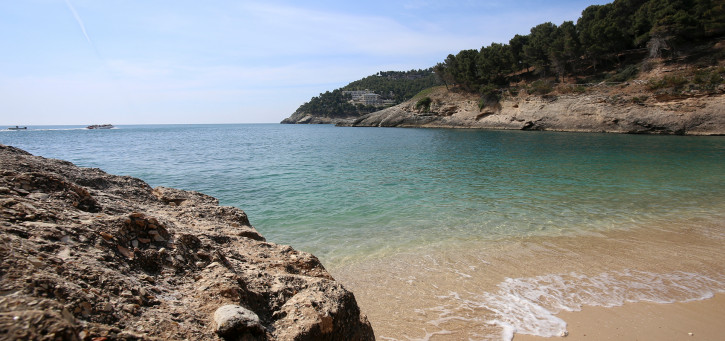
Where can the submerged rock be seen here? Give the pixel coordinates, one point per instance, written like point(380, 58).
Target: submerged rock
point(87, 255)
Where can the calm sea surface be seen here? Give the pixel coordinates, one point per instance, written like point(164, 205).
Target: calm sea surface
point(356, 196)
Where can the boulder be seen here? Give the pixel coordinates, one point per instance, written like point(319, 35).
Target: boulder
point(235, 322)
point(88, 255)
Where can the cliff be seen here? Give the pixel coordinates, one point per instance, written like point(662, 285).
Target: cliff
point(681, 99)
point(598, 110)
point(85, 255)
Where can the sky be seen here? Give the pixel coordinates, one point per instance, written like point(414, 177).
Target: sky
point(80, 62)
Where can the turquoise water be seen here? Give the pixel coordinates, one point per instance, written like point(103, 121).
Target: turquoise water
point(467, 234)
point(345, 193)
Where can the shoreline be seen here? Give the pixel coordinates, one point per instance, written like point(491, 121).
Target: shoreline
point(487, 292)
point(90, 255)
point(602, 110)
point(445, 291)
point(694, 320)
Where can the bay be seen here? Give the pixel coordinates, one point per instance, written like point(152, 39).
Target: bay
point(365, 199)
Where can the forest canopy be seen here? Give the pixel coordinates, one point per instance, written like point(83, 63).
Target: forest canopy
point(598, 39)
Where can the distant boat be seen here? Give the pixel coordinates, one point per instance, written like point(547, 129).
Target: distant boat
point(18, 128)
point(100, 126)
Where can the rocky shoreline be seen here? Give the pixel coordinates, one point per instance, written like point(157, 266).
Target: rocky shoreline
point(86, 255)
point(598, 111)
point(628, 108)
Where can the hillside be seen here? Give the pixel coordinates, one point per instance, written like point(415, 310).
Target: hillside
point(386, 88)
point(624, 43)
point(665, 100)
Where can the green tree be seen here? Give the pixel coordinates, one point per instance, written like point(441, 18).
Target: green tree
point(443, 75)
point(494, 64)
point(603, 30)
point(465, 71)
point(565, 48)
point(517, 44)
point(536, 52)
point(713, 17)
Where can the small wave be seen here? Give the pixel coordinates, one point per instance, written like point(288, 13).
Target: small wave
point(530, 305)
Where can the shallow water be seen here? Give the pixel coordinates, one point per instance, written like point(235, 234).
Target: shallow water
point(462, 216)
point(489, 290)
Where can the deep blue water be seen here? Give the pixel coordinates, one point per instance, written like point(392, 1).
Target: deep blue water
point(346, 193)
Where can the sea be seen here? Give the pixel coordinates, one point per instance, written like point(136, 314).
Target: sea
point(450, 234)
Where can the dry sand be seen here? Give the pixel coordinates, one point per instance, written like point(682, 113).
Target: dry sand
point(691, 321)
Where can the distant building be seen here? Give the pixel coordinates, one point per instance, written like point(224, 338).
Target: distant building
point(370, 99)
point(357, 94)
point(367, 97)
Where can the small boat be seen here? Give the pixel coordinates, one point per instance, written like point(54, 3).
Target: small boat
point(100, 126)
point(18, 128)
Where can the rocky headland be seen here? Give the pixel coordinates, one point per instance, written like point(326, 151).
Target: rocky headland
point(85, 255)
point(604, 108)
point(635, 107)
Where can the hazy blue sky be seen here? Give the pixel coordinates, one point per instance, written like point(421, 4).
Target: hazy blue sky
point(136, 62)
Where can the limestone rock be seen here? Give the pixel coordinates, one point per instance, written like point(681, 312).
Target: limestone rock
point(87, 255)
point(597, 111)
point(236, 322)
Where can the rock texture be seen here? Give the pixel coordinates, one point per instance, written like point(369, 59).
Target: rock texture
point(85, 255)
point(599, 110)
point(307, 118)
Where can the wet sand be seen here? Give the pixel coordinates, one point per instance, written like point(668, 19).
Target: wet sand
point(474, 290)
point(691, 321)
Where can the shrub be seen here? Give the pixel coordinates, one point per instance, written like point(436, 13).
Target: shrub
point(490, 96)
point(709, 78)
point(540, 87)
point(423, 104)
point(572, 89)
point(639, 100)
point(625, 74)
point(666, 82)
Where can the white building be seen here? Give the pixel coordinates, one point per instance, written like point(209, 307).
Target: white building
point(356, 94)
point(370, 99)
point(366, 97)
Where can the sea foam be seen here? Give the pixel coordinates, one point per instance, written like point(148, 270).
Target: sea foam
point(529, 305)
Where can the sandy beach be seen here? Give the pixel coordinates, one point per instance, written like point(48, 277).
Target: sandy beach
point(595, 287)
point(695, 320)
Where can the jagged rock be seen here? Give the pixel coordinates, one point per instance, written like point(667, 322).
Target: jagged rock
point(87, 255)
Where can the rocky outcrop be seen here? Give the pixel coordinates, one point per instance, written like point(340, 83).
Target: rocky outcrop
point(594, 111)
point(597, 111)
point(85, 255)
point(307, 118)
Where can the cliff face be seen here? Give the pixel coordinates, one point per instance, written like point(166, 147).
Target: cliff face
point(85, 255)
point(603, 109)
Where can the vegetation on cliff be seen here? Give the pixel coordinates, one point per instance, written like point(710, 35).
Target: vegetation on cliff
point(390, 85)
point(607, 43)
point(612, 43)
